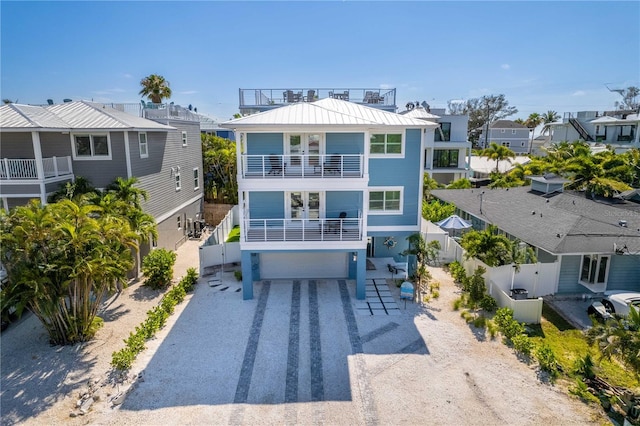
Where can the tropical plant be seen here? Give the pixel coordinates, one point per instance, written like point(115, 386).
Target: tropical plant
point(619, 338)
point(418, 248)
point(462, 183)
point(533, 121)
point(498, 153)
point(428, 184)
point(485, 110)
point(475, 285)
point(157, 268)
point(488, 246)
point(73, 190)
point(155, 87)
point(62, 259)
point(436, 210)
point(219, 161)
point(548, 118)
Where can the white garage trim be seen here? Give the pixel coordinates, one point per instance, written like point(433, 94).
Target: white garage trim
point(303, 265)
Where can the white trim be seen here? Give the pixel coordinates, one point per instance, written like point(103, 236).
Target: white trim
point(127, 154)
point(177, 178)
point(185, 138)
point(196, 187)
point(92, 157)
point(22, 195)
point(145, 144)
point(595, 286)
point(170, 213)
point(384, 189)
point(392, 229)
point(179, 221)
point(386, 133)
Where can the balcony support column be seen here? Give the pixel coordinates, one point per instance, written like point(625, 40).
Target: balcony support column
point(37, 154)
point(358, 267)
point(247, 275)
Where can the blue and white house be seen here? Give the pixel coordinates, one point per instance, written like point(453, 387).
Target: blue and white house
point(324, 184)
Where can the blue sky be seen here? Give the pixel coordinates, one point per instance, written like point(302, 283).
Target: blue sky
point(541, 55)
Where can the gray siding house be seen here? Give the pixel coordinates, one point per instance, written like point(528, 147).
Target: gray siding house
point(44, 147)
point(595, 243)
point(507, 133)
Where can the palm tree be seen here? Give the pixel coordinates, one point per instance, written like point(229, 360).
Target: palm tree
point(548, 118)
point(533, 121)
point(155, 87)
point(125, 190)
point(498, 153)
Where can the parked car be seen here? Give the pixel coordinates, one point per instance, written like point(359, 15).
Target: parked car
point(615, 302)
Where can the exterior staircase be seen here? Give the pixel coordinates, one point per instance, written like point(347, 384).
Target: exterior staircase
point(581, 131)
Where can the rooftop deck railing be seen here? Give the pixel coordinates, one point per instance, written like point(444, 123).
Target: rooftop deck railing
point(302, 166)
point(26, 169)
point(297, 230)
point(152, 111)
point(266, 98)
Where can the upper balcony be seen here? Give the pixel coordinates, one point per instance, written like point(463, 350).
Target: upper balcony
point(258, 100)
point(318, 230)
point(315, 166)
point(20, 169)
point(153, 111)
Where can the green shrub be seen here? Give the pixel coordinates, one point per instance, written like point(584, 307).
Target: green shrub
point(523, 344)
point(457, 272)
point(492, 328)
point(158, 268)
point(123, 359)
point(435, 294)
point(189, 281)
point(584, 366)
point(480, 322)
point(502, 317)
point(475, 285)
point(547, 360)
point(467, 316)
point(238, 275)
point(488, 303)
point(457, 304)
point(581, 390)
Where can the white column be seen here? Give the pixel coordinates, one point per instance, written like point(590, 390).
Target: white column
point(127, 153)
point(5, 204)
point(37, 154)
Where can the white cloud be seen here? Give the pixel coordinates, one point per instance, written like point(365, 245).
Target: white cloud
point(188, 92)
point(386, 86)
point(505, 66)
point(579, 93)
point(127, 75)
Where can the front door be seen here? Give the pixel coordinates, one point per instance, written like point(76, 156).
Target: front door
point(304, 150)
point(303, 206)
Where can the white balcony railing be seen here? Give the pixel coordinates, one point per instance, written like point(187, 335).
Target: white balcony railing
point(26, 169)
point(295, 230)
point(302, 166)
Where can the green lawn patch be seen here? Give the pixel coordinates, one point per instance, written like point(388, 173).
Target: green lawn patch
point(569, 344)
point(234, 235)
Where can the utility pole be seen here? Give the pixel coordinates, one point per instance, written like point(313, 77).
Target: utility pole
point(486, 135)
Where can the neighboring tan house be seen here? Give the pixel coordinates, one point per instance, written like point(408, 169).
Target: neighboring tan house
point(44, 147)
point(618, 129)
point(583, 245)
point(507, 133)
point(322, 185)
point(447, 150)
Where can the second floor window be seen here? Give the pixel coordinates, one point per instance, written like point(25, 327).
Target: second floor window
point(507, 144)
point(142, 144)
point(387, 201)
point(196, 179)
point(178, 182)
point(92, 146)
point(443, 133)
point(184, 138)
point(386, 143)
point(445, 158)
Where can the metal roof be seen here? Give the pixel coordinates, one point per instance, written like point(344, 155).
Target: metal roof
point(420, 113)
point(78, 115)
point(326, 112)
point(564, 223)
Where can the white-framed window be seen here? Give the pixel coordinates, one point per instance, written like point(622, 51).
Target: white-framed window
point(179, 221)
point(91, 146)
point(503, 130)
point(386, 145)
point(142, 144)
point(385, 200)
point(521, 143)
point(184, 138)
point(507, 144)
point(177, 178)
point(594, 269)
point(513, 131)
point(196, 178)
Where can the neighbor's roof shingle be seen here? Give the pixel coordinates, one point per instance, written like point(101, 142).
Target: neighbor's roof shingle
point(326, 112)
point(506, 124)
point(584, 225)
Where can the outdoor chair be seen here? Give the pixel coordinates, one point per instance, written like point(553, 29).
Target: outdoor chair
point(277, 166)
point(335, 225)
point(332, 165)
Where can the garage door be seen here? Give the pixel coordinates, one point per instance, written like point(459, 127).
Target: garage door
point(303, 265)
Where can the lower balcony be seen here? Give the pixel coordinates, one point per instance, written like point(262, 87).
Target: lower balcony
point(297, 230)
point(27, 169)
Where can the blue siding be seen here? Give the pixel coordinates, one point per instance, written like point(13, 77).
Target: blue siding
point(624, 273)
point(265, 143)
point(380, 250)
point(399, 172)
point(345, 143)
point(266, 205)
point(569, 272)
point(343, 201)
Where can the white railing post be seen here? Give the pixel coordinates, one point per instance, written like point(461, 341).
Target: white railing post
point(55, 165)
point(69, 165)
point(6, 169)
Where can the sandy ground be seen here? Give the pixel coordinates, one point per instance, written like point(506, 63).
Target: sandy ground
point(221, 360)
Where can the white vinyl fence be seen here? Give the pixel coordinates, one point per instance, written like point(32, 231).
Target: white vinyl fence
point(215, 251)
